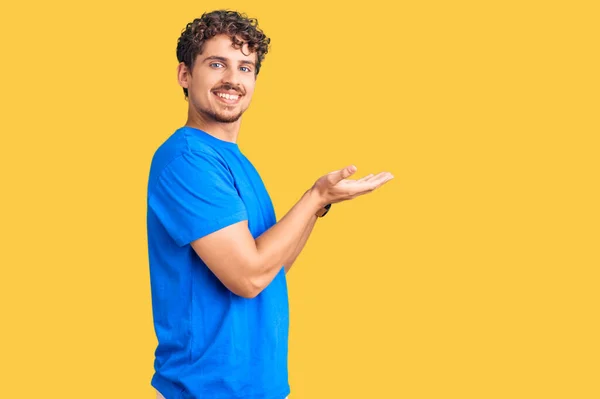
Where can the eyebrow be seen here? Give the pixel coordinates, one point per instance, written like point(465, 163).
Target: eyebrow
point(223, 59)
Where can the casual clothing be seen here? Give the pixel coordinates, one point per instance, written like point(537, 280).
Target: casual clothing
point(212, 343)
point(159, 396)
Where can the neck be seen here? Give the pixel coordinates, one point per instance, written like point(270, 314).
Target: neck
point(224, 131)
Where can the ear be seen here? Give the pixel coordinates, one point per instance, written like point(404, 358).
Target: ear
point(182, 75)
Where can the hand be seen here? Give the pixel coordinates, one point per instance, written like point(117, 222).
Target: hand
point(336, 187)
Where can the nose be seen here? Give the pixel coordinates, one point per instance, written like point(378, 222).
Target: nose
point(232, 77)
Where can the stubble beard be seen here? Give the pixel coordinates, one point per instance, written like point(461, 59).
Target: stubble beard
point(221, 118)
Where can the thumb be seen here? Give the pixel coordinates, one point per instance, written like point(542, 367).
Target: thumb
point(343, 174)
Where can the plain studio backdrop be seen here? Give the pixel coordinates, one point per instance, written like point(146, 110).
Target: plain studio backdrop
point(473, 274)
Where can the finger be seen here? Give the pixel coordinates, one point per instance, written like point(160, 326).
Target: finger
point(369, 178)
point(361, 180)
point(385, 180)
point(378, 181)
point(339, 175)
point(368, 186)
point(366, 178)
point(380, 178)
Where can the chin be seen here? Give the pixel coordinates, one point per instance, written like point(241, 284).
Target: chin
point(227, 118)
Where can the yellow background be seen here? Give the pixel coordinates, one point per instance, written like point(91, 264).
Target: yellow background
point(472, 274)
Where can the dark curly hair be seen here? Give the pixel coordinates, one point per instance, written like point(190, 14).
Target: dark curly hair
point(231, 23)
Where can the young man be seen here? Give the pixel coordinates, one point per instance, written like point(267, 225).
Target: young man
point(218, 257)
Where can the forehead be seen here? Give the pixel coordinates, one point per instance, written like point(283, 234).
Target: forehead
point(222, 46)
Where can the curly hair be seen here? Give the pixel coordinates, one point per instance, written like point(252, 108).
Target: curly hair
point(231, 23)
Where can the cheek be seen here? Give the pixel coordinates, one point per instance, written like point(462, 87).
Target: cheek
point(203, 84)
point(249, 90)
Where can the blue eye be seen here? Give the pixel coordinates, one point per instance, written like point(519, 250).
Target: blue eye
point(245, 69)
point(216, 63)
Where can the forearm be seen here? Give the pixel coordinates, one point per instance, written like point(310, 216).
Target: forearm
point(279, 243)
point(300, 246)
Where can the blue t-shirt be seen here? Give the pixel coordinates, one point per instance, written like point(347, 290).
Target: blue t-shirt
point(212, 343)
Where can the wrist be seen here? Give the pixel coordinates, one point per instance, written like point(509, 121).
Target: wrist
point(316, 200)
point(323, 211)
point(322, 206)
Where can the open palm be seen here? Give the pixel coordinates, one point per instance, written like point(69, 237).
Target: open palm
point(336, 187)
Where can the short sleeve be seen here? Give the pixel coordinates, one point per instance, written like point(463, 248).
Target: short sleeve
point(195, 196)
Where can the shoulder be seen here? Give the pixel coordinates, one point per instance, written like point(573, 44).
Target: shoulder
point(180, 143)
point(181, 155)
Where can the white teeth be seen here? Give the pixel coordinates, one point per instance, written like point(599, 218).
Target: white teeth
point(228, 96)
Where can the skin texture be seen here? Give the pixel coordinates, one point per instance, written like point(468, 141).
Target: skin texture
point(243, 264)
point(219, 69)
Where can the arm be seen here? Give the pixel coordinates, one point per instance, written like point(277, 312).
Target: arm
point(301, 244)
point(306, 234)
point(245, 265)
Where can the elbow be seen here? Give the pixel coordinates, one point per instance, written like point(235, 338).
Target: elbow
point(253, 283)
point(247, 291)
point(250, 294)
point(250, 285)
point(244, 289)
point(251, 288)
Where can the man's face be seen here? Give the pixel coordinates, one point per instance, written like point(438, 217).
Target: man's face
point(222, 80)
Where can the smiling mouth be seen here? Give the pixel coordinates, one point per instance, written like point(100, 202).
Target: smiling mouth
point(228, 98)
